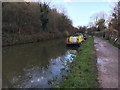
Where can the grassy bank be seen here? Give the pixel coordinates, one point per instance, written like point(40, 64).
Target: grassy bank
point(83, 71)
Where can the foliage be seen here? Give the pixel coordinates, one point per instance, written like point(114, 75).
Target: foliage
point(44, 8)
point(82, 29)
point(101, 24)
point(115, 21)
point(111, 33)
point(34, 19)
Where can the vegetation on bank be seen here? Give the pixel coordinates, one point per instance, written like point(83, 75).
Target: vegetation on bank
point(24, 22)
point(115, 43)
point(83, 70)
point(111, 37)
point(108, 28)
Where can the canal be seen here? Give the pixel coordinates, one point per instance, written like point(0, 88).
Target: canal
point(35, 65)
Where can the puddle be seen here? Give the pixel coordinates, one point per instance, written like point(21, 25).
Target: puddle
point(106, 59)
point(99, 60)
point(97, 49)
point(102, 60)
point(102, 45)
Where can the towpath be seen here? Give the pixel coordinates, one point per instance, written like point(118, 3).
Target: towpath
point(107, 63)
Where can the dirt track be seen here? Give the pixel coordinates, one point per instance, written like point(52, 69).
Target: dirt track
point(107, 63)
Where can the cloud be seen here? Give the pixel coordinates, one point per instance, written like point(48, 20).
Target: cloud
point(91, 0)
point(67, 0)
point(75, 24)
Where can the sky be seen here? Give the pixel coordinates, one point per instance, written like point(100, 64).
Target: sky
point(80, 11)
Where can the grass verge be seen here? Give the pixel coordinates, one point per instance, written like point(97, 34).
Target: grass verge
point(83, 70)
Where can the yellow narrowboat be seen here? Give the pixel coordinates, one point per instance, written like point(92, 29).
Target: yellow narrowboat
point(76, 39)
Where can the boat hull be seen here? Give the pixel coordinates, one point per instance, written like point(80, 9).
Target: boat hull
point(73, 44)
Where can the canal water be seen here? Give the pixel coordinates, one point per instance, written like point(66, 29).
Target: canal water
point(35, 65)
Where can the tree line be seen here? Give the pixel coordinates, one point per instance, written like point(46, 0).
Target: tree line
point(35, 21)
point(108, 28)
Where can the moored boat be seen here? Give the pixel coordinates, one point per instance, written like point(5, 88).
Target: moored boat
point(76, 39)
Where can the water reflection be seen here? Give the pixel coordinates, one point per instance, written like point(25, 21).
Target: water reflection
point(32, 65)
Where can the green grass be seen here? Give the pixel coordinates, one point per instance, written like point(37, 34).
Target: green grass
point(83, 71)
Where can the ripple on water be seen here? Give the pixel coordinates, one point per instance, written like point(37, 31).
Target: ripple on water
point(38, 77)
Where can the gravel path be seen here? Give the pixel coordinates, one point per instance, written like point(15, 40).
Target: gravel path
point(107, 63)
